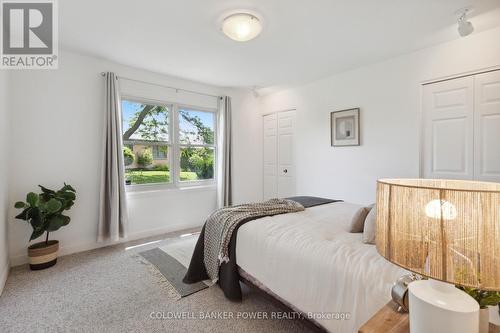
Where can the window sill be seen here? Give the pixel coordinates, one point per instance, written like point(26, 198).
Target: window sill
point(133, 190)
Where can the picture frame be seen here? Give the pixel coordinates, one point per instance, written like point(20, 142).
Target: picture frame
point(345, 128)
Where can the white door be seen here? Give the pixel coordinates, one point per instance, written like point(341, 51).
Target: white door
point(448, 111)
point(279, 166)
point(286, 170)
point(487, 127)
point(270, 124)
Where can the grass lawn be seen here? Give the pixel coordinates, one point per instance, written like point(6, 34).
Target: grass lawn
point(153, 177)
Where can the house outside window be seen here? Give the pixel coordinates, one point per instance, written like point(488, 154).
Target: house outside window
point(168, 144)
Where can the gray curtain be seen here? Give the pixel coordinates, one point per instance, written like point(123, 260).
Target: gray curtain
point(113, 217)
point(224, 154)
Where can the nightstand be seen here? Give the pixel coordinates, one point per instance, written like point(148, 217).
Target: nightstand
point(389, 320)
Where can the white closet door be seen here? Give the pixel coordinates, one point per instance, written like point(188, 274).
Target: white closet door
point(487, 127)
point(270, 156)
point(286, 167)
point(448, 129)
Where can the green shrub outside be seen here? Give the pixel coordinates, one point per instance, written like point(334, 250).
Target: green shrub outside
point(128, 156)
point(145, 158)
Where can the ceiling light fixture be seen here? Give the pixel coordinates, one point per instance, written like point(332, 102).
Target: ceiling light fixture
point(241, 27)
point(465, 27)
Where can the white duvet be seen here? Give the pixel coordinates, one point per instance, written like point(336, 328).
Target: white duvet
point(310, 260)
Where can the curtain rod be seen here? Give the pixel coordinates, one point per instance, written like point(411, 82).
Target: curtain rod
point(164, 86)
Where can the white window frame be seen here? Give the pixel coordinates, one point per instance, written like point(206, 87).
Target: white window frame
point(174, 146)
point(178, 146)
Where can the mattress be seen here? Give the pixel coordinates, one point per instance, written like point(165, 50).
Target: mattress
point(310, 260)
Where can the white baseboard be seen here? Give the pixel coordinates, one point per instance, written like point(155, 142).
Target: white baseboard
point(4, 274)
point(22, 259)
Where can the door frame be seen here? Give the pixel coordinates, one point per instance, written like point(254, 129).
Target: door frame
point(421, 107)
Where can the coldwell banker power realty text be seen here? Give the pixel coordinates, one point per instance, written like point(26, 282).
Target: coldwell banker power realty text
point(29, 34)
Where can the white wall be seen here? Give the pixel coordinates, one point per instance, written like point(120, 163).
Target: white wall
point(4, 148)
point(388, 94)
point(247, 152)
point(56, 136)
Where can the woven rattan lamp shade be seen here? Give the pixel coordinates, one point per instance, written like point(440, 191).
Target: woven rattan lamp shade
point(447, 230)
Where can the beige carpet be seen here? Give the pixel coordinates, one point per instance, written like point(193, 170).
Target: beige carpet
point(108, 290)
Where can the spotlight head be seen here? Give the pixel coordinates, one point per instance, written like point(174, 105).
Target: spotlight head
point(465, 27)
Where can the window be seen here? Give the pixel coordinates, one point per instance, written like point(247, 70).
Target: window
point(196, 144)
point(167, 144)
point(160, 152)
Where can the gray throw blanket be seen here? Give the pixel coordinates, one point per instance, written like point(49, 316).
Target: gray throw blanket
point(220, 226)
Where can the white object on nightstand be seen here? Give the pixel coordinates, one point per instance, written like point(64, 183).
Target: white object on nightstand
point(437, 307)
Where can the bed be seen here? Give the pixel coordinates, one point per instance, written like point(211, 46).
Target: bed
point(311, 261)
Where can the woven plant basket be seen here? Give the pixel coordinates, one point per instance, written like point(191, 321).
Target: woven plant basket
point(42, 255)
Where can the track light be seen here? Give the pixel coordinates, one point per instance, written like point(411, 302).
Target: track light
point(465, 28)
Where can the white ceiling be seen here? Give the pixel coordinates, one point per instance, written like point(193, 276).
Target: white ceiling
point(302, 40)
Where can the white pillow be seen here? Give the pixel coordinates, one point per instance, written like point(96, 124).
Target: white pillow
point(370, 226)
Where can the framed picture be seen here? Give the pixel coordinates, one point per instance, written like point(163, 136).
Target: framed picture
point(345, 128)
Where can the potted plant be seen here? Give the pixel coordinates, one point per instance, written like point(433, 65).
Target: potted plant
point(44, 212)
point(484, 298)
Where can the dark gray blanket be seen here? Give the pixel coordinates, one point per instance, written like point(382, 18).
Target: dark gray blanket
point(229, 278)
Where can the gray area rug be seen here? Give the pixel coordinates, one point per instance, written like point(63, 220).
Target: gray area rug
point(106, 290)
point(171, 271)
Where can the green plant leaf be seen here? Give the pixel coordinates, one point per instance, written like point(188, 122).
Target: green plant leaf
point(47, 194)
point(66, 219)
point(67, 195)
point(35, 218)
point(24, 214)
point(36, 233)
point(67, 187)
point(38, 224)
point(20, 205)
point(46, 190)
point(33, 199)
point(490, 299)
point(42, 205)
point(55, 223)
point(53, 205)
point(68, 205)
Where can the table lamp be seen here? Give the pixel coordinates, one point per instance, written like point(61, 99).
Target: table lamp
point(449, 232)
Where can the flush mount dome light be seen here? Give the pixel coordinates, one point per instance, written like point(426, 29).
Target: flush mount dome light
point(241, 27)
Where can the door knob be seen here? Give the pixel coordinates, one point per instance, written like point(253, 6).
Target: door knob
point(285, 170)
